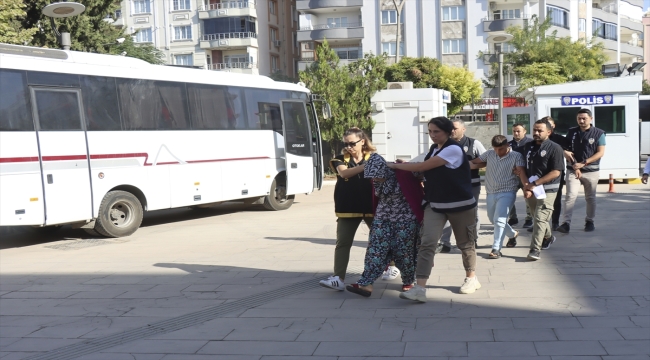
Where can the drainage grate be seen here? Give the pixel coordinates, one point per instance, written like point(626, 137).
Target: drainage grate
point(82, 244)
point(178, 323)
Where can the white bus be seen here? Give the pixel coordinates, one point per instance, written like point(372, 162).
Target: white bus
point(95, 140)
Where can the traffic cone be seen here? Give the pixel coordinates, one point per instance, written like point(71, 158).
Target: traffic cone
point(611, 183)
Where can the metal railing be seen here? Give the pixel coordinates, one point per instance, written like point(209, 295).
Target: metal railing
point(232, 65)
point(305, 58)
point(228, 5)
point(491, 18)
point(232, 35)
point(611, 8)
point(332, 26)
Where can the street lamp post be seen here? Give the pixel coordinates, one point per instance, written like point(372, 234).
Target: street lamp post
point(497, 40)
point(62, 9)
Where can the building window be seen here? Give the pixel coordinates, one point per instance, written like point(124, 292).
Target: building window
point(274, 64)
point(185, 59)
point(118, 13)
point(604, 30)
point(389, 48)
point(390, 17)
point(582, 25)
point(273, 7)
point(295, 40)
point(181, 5)
point(453, 46)
point(510, 79)
point(559, 17)
point(141, 7)
point(507, 14)
point(349, 52)
point(341, 22)
point(274, 34)
point(183, 32)
point(143, 36)
point(450, 13)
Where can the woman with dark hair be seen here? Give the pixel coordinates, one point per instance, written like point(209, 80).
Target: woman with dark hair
point(448, 196)
point(352, 200)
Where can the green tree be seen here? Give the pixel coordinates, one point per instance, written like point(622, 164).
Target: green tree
point(646, 88)
point(430, 73)
point(146, 52)
point(347, 89)
point(11, 31)
point(90, 31)
point(540, 58)
point(280, 76)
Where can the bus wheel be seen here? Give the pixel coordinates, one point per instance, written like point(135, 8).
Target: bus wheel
point(277, 198)
point(120, 214)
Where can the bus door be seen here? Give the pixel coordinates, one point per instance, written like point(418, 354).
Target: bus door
point(317, 146)
point(299, 163)
point(63, 153)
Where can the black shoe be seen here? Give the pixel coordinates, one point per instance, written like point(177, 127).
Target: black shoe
point(534, 255)
point(555, 226)
point(589, 226)
point(528, 224)
point(441, 248)
point(565, 228)
point(530, 229)
point(513, 221)
point(546, 243)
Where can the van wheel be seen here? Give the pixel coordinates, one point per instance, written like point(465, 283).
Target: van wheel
point(277, 198)
point(120, 214)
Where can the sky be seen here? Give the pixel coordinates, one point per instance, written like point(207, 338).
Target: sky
point(646, 5)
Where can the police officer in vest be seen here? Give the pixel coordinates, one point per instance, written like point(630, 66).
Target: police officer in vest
point(473, 149)
point(557, 206)
point(448, 192)
point(585, 145)
point(544, 164)
point(519, 140)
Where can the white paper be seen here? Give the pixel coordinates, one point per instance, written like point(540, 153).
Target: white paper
point(538, 191)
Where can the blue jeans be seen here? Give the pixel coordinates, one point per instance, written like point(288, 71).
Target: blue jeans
point(498, 208)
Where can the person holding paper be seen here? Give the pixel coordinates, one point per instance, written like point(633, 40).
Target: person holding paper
point(544, 164)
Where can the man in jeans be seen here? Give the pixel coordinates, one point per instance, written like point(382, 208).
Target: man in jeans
point(544, 163)
point(585, 146)
point(501, 185)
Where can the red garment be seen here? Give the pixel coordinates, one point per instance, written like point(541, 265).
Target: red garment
point(412, 189)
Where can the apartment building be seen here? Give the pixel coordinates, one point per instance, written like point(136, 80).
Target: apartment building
point(455, 31)
point(246, 36)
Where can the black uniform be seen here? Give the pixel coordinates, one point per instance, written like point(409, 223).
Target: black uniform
point(584, 144)
point(542, 159)
point(467, 143)
point(557, 205)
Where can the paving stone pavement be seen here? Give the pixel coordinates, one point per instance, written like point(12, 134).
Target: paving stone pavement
point(588, 298)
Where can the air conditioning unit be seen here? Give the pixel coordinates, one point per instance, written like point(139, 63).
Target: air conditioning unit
point(493, 5)
point(277, 43)
point(400, 85)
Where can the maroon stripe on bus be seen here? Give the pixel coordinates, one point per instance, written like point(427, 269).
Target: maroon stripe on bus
point(18, 159)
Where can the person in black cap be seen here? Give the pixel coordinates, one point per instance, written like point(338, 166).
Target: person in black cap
point(544, 163)
point(585, 146)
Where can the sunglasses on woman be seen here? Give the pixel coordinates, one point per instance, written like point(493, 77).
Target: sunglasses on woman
point(351, 144)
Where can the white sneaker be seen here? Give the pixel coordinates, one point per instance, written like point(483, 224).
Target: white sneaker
point(333, 282)
point(417, 293)
point(470, 285)
point(391, 273)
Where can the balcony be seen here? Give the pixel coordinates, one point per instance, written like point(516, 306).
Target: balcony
point(302, 5)
point(632, 50)
point(228, 41)
point(331, 31)
point(239, 8)
point(237, 67)
point(606, 13)
point(500, 25)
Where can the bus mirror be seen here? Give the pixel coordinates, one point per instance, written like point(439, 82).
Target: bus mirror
point(327, 111)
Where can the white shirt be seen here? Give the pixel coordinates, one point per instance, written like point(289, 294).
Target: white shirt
point(452, 155)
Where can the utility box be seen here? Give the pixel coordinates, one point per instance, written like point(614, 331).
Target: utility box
point(401, 117)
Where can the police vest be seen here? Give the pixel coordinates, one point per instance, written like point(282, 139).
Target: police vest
point(352, 196)
point(538, 161)
point(467, 144)
point(584, 145)
point(448, 190)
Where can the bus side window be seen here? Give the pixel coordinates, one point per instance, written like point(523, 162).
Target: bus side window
point(15, 114)
point(153, 105)
point(100, 103)
point(209, 107)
